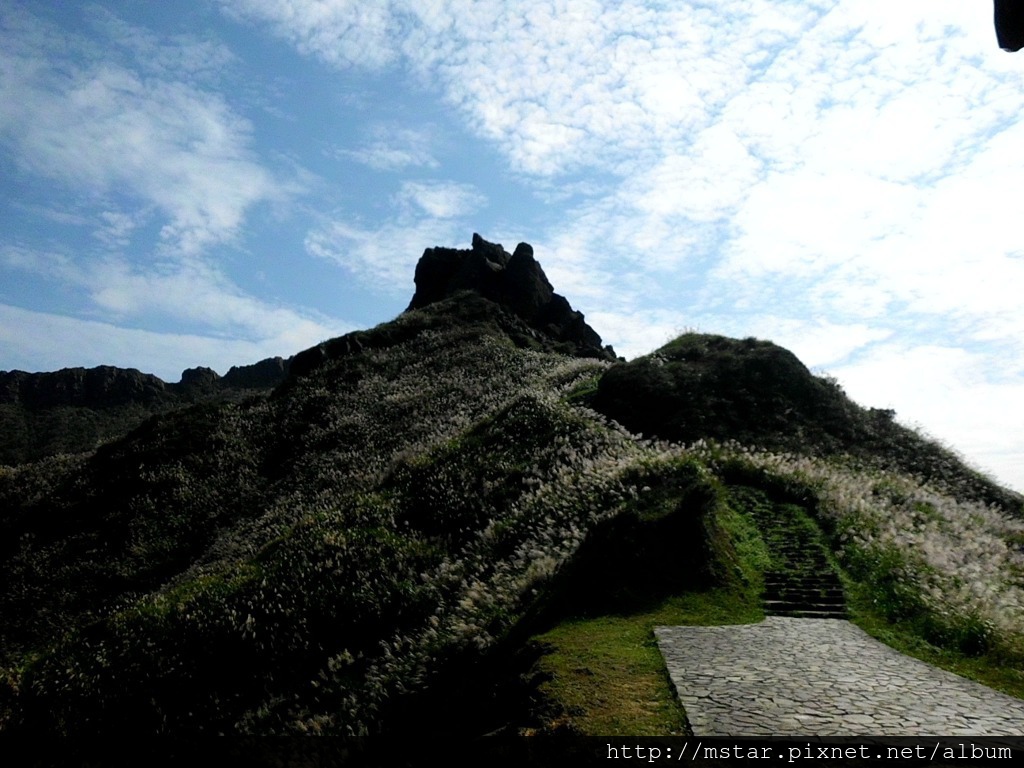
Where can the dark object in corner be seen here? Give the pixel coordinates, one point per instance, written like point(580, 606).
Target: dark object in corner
point(1009, 18)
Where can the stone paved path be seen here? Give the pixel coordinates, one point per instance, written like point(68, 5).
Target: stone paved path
point(822, 677)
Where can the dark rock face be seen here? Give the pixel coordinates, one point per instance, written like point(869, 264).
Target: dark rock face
point(106, 386)
point(515, 281)
point(525, 288)
point(262, 375)
point(202, 379)
point(102, 386)
point(442, 272)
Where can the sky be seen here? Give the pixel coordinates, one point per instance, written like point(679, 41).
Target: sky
point(216, 182)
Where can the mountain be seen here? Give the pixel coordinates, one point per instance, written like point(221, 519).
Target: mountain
point(76, 409)
point(514, 281)
point(703, 386)
point(369, 547)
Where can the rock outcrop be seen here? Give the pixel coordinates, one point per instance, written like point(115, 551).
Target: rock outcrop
point(706, 386)
point(107, 386)
point(514, 280)
point(310, 359)
point(75, 409)
point(201, 379)
point(262, 375)
point(103, 386)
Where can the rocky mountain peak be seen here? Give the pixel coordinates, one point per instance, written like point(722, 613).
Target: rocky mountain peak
point(514, 280)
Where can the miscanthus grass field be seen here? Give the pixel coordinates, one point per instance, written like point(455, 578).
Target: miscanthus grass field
point(311, 561)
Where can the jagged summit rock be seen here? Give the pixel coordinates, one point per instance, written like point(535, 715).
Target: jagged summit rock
point(514, 280)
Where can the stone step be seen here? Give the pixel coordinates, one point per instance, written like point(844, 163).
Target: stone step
point(807, 564)
point(794, 604)
point(817, 595)
point(806, 587)
point(812, 578)
point(809, 614)
point(802, 584)
point(806, 595)
point(797, 581)
point(808, 600)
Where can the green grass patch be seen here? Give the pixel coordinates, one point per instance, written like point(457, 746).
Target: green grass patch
point(583, 393)
point(604, 673)
point(607, 676)
point(907, 637)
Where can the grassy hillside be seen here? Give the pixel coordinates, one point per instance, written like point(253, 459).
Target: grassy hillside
point(75, 410)
point(702, 386)
point(403, 523)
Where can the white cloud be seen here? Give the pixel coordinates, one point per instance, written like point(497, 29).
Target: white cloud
point(704, 182)
point(341, 32)
point(27, 343)
point(807, 222)
point(47, 263)
point(619, 85)
point(394, 149)
point(864, 246)
point(442, 199)
point(101, 129)
point(116, 227)
point(169, 56)
point(384, 256)
point(578, 257)
point(197, 293)
point(190, 292)
point(961, 397)
point(555, 85)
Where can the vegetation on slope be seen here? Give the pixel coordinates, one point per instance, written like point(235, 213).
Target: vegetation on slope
point(600, 666)
point(707, 387)
point(933, 562)
point(293, 564)
point(415, 506)
point(76, 409)
point(601, 669)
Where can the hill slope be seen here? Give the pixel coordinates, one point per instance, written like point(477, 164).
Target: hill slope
point(702, 386)
point(77, 409)
point(407, 505)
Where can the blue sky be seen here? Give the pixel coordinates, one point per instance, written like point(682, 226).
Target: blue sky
point(212, 183)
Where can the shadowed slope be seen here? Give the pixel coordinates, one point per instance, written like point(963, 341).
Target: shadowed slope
point(702, 386)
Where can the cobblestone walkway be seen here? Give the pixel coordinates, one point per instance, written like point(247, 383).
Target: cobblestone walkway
point(822, 677)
